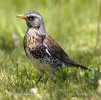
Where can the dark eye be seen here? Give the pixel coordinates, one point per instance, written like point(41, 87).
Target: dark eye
point(31, 18)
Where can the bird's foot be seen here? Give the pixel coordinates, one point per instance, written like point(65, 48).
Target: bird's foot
point(40, 76)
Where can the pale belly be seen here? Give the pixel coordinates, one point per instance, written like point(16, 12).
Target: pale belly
point(38, 63)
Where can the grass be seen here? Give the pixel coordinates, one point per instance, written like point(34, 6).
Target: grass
point(73, 24)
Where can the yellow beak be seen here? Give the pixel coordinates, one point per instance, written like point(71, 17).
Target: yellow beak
point(21, 16)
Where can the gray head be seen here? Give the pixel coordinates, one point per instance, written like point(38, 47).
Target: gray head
point(34, 20)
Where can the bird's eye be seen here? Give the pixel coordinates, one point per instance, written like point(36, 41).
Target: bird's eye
point(31, 18)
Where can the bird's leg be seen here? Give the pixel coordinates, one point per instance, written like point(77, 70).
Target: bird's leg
point(41, 73)
point(51, 73)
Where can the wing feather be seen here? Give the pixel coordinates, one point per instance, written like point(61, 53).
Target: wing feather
point(58, 52)
point(55, 49)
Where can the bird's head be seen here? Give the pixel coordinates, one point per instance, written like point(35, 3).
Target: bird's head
point(33, 20)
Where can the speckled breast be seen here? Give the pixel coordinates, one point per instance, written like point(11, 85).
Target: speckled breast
point(35, 50)
point(33, 44)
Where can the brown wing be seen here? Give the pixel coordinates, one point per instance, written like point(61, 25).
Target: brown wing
point(58, 52)
point(55, 49)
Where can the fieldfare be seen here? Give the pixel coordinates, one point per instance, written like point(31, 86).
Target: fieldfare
point(44, 52)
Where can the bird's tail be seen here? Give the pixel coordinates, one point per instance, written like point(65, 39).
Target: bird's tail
point(78, 65)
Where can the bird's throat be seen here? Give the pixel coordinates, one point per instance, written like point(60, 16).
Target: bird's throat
point(32, 31)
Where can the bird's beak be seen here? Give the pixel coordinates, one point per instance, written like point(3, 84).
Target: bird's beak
point(21, 16)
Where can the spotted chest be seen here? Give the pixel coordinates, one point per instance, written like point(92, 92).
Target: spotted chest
point(38, 52)
point(34, 45)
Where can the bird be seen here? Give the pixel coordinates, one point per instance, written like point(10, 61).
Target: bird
point(42, 49)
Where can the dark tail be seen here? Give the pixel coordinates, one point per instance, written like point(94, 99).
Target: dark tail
point(78, 65)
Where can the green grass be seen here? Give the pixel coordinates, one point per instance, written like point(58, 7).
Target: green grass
point(73, 24)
